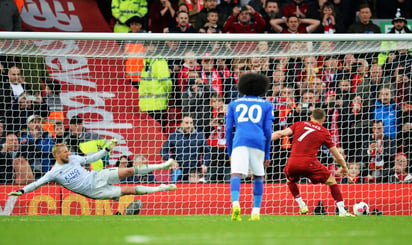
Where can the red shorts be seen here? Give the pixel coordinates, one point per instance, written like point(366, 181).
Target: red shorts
point(308, 167)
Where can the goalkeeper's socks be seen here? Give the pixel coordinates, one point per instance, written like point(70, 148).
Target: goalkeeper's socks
point(257, 192)
point(147, 168)
point(141, 190)
point(300, 201)
point(235, 187)
point(341, 207)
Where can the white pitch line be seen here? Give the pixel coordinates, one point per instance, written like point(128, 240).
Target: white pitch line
point(137, 239)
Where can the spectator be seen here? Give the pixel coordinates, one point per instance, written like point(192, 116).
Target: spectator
point(2, 133)
point(210, 76)
point(241, 21)
point(9, 16)
point(354, 174)
point(309, 71)
point(33, 68)
point(304, 108)
point(368, 89)
point(364, 25)
point(53, 101)
point(388, 111)
point(402, 86)
point(189, 64)
point(60, 133)
point(8, 147)
point(399, 24)
point(195, 177)
point(82, 142)
point(297, 8)
point(329, 73)
point(209, 6)
point(183, 25)
point(13, 159)
point(155, 86)
point(193, 9)
point(331, 23)
point(294, 25)
point(360, 73)
point(14, 86)
point(271, 11)
point(188, 147)
point(123, 10)
point(26, 106)
point(357, 118)
point(212, 24)
point(378, 151)
point(400, 173)
point(334, 118)
point(161, 15)
point(38, 144)
point(135, 24)
point(219, 168)
point(196, 101)
point(343, 93)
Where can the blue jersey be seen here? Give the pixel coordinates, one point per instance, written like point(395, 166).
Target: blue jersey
point(252, 118)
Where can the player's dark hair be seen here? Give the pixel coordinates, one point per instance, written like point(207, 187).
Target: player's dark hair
point(318, 114)
point(253, 84)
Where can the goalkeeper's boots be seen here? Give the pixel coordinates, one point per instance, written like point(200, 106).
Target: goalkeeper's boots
point(236, 213)
point(346, 214)
point(255, 217)
point(304, 210)
point(171, 187)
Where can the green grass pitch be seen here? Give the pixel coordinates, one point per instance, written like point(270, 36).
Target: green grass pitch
point(91, 230)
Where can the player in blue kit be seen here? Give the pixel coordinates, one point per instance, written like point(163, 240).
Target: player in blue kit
point(248, 135)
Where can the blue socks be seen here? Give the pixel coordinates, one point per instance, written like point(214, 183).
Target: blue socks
point(235, 188)
point(257, 191)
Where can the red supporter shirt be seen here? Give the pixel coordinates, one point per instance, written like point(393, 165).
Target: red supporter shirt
point(308, 137)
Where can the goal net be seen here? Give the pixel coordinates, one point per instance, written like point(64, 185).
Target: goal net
point(145, 90)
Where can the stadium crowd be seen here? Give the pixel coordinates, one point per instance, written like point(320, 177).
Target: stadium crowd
point(367, 96)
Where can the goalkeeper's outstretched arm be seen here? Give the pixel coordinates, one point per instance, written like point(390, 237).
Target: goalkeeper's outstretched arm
point(32, 186)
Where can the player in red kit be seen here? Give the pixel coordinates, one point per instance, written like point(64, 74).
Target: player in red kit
point(308, 137)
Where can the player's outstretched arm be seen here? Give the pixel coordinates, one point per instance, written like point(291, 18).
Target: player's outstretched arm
point(278, 134)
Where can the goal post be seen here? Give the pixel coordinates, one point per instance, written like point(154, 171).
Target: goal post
point(363, 82)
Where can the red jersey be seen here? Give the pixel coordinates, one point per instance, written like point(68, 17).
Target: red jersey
point(308, 137)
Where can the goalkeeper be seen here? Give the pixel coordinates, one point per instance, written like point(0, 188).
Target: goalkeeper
point(69, 172)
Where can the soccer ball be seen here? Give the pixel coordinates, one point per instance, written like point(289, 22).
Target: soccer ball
point(361, 208)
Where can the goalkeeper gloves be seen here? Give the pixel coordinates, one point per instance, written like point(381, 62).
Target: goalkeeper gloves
point(16, 193)
point(112, 144)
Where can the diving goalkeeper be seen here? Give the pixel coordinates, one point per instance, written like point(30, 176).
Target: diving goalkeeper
point(69, 172)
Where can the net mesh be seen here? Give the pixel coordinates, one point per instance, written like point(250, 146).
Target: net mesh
point(113, 86)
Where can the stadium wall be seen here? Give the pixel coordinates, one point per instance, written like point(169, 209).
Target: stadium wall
point(206, 199)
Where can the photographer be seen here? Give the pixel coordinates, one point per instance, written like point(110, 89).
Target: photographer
point(195, 101)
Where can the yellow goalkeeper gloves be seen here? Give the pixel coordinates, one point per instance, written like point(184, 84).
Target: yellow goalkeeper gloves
point(112, 144)
point(16, 193)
